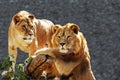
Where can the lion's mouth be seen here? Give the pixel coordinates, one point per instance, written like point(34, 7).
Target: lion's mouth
point(63, 49)
point(27, 38)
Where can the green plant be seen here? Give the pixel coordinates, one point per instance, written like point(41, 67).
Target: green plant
point(43, 78)
point(6, 63)
point(19, 74)
point(29, 59)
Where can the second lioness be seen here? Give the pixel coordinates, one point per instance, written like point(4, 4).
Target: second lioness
point(28, 33)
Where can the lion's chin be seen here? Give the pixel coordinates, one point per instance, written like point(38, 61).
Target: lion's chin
point(28, 41)
point(63, 50)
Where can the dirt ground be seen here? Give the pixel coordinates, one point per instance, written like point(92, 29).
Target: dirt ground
point(99, 20)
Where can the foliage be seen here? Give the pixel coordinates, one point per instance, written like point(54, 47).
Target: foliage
point(20, 73)
point(6, 63)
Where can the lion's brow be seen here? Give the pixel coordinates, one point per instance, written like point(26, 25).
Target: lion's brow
point(63, 33)
point(28, 22)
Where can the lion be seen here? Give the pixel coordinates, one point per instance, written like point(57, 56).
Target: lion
point(70, 53)
point(28, 34)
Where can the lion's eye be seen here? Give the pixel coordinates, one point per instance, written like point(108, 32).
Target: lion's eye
point(58, 36)
point(31, 27)
point(23, 26)
point(68, 37)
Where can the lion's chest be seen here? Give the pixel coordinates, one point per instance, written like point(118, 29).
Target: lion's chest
point(65, 68)
point(24, 46)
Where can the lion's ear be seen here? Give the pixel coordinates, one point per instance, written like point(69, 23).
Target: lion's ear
point(31, 16)
point(55, 28)
point(16, 19)
point(74, 27)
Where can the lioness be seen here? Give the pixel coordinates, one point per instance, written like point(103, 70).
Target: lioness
point(70, 53)
point(28, 33)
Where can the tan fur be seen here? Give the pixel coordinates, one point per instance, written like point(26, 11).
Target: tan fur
point(28, 33)
point(70, 52)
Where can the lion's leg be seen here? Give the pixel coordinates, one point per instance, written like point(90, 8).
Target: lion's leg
point(32, 51)
point(13, 56)
point(87, 75)
point(33, 47)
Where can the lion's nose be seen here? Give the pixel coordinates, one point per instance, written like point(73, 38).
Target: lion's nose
point(30, 34)
point(62, 44)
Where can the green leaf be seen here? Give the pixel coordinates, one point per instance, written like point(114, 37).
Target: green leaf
point(19, 74)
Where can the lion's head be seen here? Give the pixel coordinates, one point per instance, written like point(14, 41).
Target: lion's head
point(67, 37)
point(24, 25)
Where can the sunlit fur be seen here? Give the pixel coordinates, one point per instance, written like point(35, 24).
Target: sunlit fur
point(28, 34)
point(70, 52)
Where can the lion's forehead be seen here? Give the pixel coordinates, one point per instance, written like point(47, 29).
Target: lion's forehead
point(25, 27)
point(64, 32)
point(27, 24)
point(26, 20)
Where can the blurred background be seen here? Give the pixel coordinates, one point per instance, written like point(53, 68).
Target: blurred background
point(99, 20)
